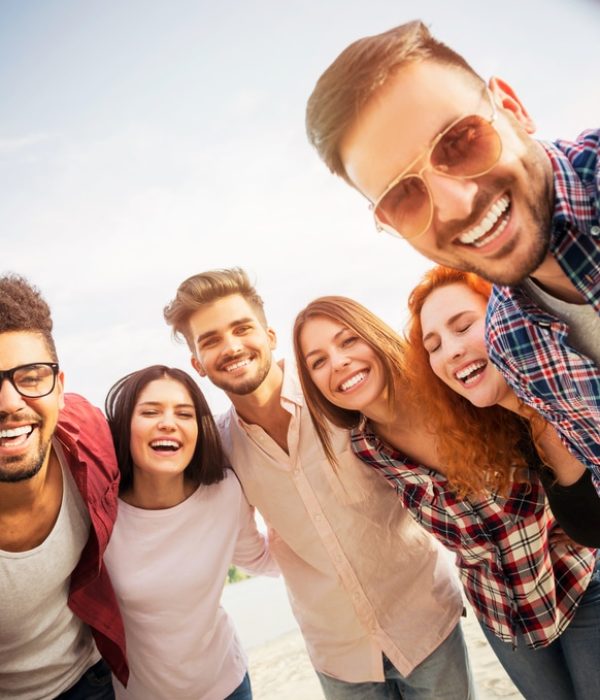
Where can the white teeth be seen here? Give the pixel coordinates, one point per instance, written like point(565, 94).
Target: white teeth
point(348, 384)
point(15, 432)
point(237, 365)
point(473, 236)
point(165, 443)
point(464, 374)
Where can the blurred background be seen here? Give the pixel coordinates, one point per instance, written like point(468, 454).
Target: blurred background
point(144, 141)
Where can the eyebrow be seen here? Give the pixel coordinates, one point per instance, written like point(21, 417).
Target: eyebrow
point(449, 322)
point(335, 337)
point(160, 403)
point(233, 324)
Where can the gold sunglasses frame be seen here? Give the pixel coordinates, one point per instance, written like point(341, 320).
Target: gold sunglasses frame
point(381, 227)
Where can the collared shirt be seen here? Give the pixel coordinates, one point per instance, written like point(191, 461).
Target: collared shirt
point(363, 578)
point(515, 578)
point(87, 445)
point(529, 345)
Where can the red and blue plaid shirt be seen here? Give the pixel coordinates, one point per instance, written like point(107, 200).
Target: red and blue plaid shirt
point(529, 345)
point(514, 576)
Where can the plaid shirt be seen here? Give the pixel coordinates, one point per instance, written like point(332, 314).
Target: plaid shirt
point(529, 345)
point(516, 580)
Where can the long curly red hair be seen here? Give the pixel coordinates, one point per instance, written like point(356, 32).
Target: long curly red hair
point(480, 448)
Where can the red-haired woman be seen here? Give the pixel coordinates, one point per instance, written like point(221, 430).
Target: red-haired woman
point(471, 477)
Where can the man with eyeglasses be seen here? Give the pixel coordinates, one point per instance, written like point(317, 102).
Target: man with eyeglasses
point(449, 164)
point(58, 502)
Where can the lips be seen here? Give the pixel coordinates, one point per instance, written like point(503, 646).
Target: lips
point(490, 227)
point(239, 363)
point(352, 381)
point(469, 373)
point(165, 445)
point(16, 437)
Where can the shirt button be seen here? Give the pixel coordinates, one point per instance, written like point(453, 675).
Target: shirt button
point(317, 517)
point(595, 231)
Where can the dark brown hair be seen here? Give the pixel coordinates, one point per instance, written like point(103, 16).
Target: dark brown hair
point(22, 308)
point(204, 288)
point(356, 75)
point(208, 462)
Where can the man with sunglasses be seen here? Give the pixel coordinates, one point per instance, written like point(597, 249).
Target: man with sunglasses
point(449, 164)
point(58, 502)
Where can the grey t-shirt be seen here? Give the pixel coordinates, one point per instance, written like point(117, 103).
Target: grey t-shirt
point(582, 319)
point(44, 647)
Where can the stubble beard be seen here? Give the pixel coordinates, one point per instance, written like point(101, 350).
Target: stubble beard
point(27, 470)
point(507, 270)
point(249, 385)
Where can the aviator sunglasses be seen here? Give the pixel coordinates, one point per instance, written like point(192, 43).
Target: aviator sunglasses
point(468, 148)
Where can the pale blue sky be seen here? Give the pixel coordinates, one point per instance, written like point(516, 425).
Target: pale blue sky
point(144, 141)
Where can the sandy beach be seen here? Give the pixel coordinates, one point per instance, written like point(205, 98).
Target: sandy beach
point(279, 664)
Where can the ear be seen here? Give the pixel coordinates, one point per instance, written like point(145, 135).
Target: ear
point(272, 338)
point(506, 97)
point(197, 365)
point(60, 389)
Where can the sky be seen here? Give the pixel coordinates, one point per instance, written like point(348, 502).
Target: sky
point(144, 141)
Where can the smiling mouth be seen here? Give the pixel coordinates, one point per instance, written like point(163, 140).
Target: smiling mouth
point(165, 445)
point(353, 381)
point(467, 375)
point(491, 226)
point(238, 364)
point(15, 437)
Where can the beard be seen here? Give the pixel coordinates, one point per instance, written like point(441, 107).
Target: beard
point(21, 467)
point(248, 385)
point(521, 256)
point(26, 470)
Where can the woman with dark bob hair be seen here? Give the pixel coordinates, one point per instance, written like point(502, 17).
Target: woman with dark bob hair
point(182, 520)
point(471, 477)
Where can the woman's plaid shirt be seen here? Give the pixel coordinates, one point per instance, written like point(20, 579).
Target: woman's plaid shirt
point(515, 577)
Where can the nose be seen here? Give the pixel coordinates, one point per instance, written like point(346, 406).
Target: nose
point(167, 422)
point(339, 360)
point(454, 349)
point(10, 399)
point(233, 345)
point(453, 198)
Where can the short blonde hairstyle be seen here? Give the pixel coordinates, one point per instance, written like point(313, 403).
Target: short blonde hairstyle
point(204, 288)
point(356, 75)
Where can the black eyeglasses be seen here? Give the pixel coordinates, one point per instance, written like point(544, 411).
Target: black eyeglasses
point(32, 381)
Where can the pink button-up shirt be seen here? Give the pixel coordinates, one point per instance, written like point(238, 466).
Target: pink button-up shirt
point(362, 577)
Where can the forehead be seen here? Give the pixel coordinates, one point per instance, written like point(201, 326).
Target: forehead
point(220, 314)
point(319, 330)
point(402, 118)
point(165, 389)
point(22, 348)
point(448, 301)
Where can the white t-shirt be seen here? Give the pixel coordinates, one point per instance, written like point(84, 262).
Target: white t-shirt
point(168, 568)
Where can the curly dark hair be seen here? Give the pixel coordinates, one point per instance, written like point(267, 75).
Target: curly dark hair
point(22, 308)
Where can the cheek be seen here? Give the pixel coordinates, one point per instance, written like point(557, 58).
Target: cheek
point(435, 362)
point(136, 442)
point(319, 380)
